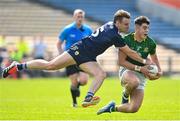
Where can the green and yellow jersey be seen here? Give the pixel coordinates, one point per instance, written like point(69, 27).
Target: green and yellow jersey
point(143, 48)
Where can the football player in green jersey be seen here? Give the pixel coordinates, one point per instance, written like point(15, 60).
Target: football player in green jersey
point(131, 73)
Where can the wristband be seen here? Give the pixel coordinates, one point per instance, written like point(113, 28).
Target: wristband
point(137, 68)
point(144, 61)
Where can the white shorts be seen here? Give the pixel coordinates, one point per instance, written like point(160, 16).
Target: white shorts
point(140, 76)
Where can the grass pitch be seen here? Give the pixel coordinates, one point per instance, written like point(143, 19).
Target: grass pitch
point(50, 99)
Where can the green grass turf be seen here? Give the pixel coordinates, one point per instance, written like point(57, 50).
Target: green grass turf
point(50, 99)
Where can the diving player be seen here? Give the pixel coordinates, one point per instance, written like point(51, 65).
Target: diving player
point(84, 53)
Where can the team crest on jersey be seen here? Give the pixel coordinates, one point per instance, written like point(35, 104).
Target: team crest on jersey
point(146, 50)
point(72, 35)
point(139, 48)
point(76, 53)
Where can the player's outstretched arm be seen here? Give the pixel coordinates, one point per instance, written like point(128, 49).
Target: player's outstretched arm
point(134, 55)
point(123, 62)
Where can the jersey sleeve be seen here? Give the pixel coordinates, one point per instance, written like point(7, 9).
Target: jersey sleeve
point(153, 48)
point(63, 34)
point(119, 42)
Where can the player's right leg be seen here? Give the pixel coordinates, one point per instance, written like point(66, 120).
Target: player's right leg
point(61, 61)
point(99, 75)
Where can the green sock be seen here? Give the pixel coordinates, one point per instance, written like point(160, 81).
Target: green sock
point(114, 109)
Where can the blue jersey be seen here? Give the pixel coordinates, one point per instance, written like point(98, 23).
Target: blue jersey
point(104, 37)
point(71, 34)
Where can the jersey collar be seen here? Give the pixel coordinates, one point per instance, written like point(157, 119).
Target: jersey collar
point(133, 33)
point(74, 26)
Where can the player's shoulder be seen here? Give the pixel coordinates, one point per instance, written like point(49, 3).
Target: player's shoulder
point(128, 36)
point(109, 24)
point(68, 27)
point(110, 27)
point(151, 40)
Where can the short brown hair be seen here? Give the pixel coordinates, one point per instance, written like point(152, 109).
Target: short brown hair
point(141, 19)
point(120, 14)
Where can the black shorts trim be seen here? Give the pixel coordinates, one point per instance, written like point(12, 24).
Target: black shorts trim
point(72, 70)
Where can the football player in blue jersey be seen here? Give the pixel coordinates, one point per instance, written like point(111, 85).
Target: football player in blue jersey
point(84, 53)
point(71, 34)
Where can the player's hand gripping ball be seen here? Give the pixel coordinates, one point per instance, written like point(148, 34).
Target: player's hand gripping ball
point(153, 70)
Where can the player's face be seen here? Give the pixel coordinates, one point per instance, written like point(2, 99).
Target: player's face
point(79, 18)
point(124, 25)
point(143, 30)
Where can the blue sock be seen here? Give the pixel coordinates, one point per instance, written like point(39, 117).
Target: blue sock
point(21, 66)
point(89, 94)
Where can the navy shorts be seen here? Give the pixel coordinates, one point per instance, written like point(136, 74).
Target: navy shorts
point(72, 70)
point(80, 54)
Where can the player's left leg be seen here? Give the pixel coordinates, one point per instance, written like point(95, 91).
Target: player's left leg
point(136, 99)
point(61, 61)
point(99, 75)
point(136, 94)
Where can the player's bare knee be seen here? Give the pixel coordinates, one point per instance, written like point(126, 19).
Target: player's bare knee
point(128, 76)
point(131, 84)
point(83, 81)
point(135, 83)
point(134, 109)
point(131, 80)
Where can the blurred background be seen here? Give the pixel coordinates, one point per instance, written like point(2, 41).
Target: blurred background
point(26, 25)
